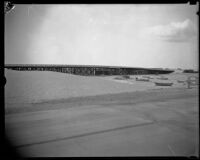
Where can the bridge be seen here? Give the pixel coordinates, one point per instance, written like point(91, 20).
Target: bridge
point(88, 69)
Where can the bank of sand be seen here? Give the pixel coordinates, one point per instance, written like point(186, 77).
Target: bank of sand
point(153, 122)
point(25, 87)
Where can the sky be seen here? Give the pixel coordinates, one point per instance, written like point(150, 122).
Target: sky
point(135, 35)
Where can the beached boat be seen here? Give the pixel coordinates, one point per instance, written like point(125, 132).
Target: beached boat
point(142, 79)
point(163, 84)
point(148, 77)
point(179, 81)
point(163, 78)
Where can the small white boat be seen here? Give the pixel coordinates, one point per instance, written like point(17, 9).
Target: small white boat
point(163, 78)
point(163, 83)
point(148, 77)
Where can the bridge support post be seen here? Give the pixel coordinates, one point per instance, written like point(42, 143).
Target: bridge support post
point(94, 71)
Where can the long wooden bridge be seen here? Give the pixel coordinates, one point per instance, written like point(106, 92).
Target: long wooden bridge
point(88, 69)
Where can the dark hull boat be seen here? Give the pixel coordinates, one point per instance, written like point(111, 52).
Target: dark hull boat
point(163, 84)
point(142, 79)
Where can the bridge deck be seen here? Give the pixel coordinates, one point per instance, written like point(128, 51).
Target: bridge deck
point(88, 69)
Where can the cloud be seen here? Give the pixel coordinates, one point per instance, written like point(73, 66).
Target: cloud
point(175, 31)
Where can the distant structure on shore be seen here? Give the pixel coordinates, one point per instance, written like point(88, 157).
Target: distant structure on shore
point(190, 71)
point(88, 69)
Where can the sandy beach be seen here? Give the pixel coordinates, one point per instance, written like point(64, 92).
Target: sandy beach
point(71, 115)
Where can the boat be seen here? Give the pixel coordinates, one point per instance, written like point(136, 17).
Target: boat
point(179, 81)
point(148, 77)
point(163, 84)
point(142, 79)
point(163, 78)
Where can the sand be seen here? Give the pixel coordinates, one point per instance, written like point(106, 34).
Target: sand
point(136, 119)
point(38, 86)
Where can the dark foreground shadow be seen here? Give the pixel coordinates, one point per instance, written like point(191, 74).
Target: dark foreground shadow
point(9, 150)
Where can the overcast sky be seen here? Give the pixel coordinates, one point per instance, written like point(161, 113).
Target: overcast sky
point(164, 36)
